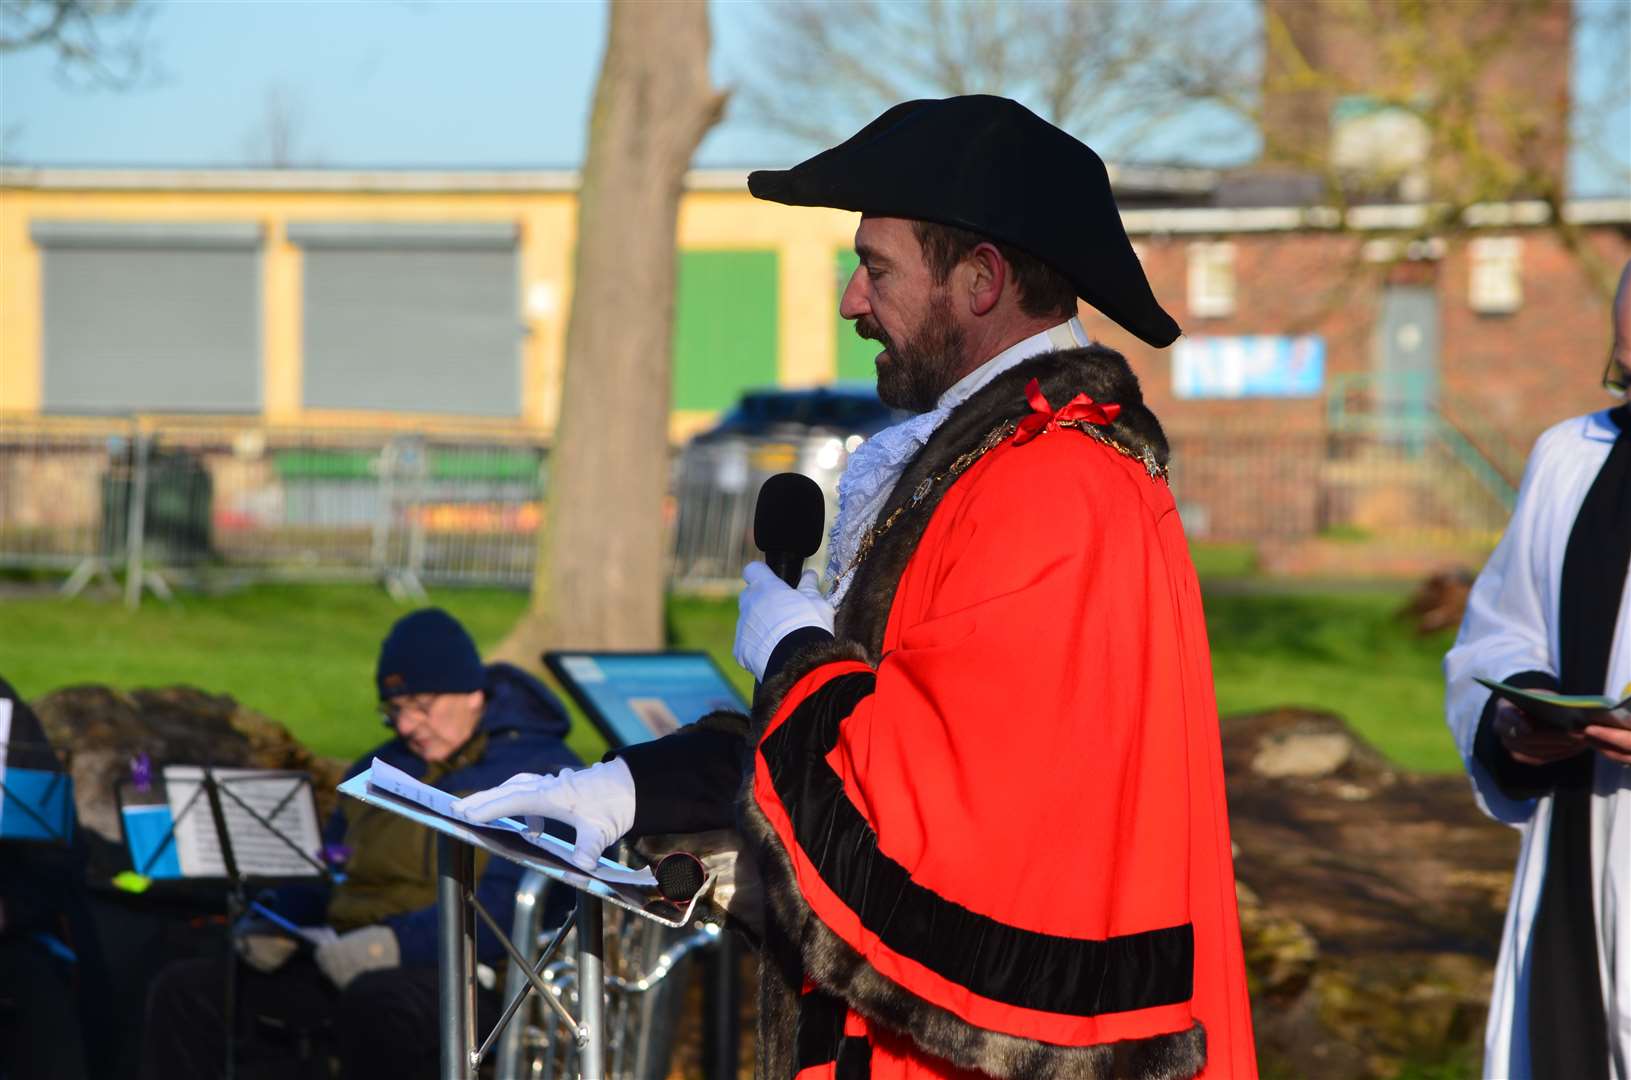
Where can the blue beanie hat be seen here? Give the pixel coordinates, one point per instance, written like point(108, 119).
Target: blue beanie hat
point(428, 652)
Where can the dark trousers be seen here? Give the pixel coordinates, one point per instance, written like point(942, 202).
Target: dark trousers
point(384, 1024)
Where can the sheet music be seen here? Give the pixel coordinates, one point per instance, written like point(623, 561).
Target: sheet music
point(388, 778)
point(5, 739)
point(257, 851)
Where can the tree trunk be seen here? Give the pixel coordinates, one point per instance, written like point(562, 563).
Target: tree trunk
point(601, 557)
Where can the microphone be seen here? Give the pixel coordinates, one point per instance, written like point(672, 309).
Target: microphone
point(787, 523)
point(679, 875)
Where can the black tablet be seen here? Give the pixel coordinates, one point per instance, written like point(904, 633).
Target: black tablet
point(634, 697)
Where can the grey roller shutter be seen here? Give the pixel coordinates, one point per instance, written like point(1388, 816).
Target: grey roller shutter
point(150, 316)
point(411, 317)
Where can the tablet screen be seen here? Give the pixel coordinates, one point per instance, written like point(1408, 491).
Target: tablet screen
point(633, 697)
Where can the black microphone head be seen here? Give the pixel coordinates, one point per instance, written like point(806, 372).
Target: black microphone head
point(789, 515)
point(679, 876)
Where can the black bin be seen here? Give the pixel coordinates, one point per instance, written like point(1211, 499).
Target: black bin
point(180, 504)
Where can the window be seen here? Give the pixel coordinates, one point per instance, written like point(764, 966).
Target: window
point(1211, 280)
point(159, 316)
point(411, 316)
point(1496, 287)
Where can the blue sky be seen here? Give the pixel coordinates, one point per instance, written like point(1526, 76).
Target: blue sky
point(460, 83)
point(393, 83)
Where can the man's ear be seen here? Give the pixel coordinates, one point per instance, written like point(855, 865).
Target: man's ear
point(986, 274)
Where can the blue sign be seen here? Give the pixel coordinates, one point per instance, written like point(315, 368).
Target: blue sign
point(643, 696)
point(1258, 365)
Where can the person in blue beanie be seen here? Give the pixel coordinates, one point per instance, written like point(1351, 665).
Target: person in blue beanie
point(456, 724)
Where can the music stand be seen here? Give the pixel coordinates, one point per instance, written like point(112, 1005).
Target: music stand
point(36, 794)
point(240, 826)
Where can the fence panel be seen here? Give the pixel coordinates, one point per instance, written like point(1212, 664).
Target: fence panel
point(186, 497)
point(270, 503)
point(63, 490)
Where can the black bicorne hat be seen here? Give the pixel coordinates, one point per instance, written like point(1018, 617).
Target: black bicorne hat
point(989, 165)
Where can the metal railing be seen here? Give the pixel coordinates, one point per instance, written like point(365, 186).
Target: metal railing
point(174, 501)
point(157, 501)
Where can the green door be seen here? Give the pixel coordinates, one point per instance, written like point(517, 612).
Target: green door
point(854, 353)
point(726, 333)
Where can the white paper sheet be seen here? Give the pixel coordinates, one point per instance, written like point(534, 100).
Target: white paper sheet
point(5, 738)
point(388, 778)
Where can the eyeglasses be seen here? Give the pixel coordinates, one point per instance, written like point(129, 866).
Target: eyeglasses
point(392, 711)
point(1616, 380)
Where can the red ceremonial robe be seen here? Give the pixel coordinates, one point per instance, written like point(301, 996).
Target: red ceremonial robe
point(991, 814)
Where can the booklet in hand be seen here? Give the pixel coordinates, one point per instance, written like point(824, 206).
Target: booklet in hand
point(1564, 712)
point(393, 781)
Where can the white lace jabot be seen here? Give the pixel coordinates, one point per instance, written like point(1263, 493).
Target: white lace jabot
point(876, 464)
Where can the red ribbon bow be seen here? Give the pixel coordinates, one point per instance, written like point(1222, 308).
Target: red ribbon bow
point(1044, 417)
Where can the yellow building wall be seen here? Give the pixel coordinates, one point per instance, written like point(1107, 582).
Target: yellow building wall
point(805, 239)
point(20, 308)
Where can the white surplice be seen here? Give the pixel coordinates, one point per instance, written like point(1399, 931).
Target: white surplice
point(1511, 626)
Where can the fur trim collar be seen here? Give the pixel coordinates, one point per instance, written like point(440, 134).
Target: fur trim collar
point(1101, 373)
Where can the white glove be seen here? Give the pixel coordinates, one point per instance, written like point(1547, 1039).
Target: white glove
point(369, 948)
point(598, 802)
point(771, 609)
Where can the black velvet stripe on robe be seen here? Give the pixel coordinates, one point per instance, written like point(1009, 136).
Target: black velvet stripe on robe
point(989, 958)
point(1568, 1028)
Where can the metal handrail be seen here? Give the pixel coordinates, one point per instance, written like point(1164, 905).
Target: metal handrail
point(1430, 422)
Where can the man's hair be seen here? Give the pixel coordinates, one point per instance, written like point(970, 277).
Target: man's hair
point(1042, 289)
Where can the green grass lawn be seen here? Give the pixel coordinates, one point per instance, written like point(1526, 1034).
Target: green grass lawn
point(305, 655)
point(1344, 651)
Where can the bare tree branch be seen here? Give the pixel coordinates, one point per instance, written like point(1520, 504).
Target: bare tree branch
point(1098, 68)
point(1457, 117)
point(278, 138)
point(98, 43)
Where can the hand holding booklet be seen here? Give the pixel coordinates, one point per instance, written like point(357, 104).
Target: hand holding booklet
point(393, 781)
point(1565, 712)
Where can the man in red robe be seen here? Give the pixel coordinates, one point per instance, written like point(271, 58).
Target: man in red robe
point(983, 784)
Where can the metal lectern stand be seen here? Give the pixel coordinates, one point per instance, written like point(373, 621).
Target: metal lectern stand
point(458, 915)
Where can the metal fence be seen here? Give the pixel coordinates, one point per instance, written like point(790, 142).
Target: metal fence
point(162, 501)
point(716, 487)
point(1385, 483)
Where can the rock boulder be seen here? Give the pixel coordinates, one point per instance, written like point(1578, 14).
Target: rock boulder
point(105, 729)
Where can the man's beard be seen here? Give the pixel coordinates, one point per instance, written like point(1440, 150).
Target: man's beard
point(922, 367)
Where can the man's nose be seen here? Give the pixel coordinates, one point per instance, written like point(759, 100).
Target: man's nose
point(855, 302)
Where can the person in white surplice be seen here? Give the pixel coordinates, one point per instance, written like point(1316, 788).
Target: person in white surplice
point(1551, 610)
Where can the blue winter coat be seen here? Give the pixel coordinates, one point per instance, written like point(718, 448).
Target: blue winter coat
point(524, 724)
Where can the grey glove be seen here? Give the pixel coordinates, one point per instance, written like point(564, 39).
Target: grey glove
point(266, 952)
point(369, 948)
